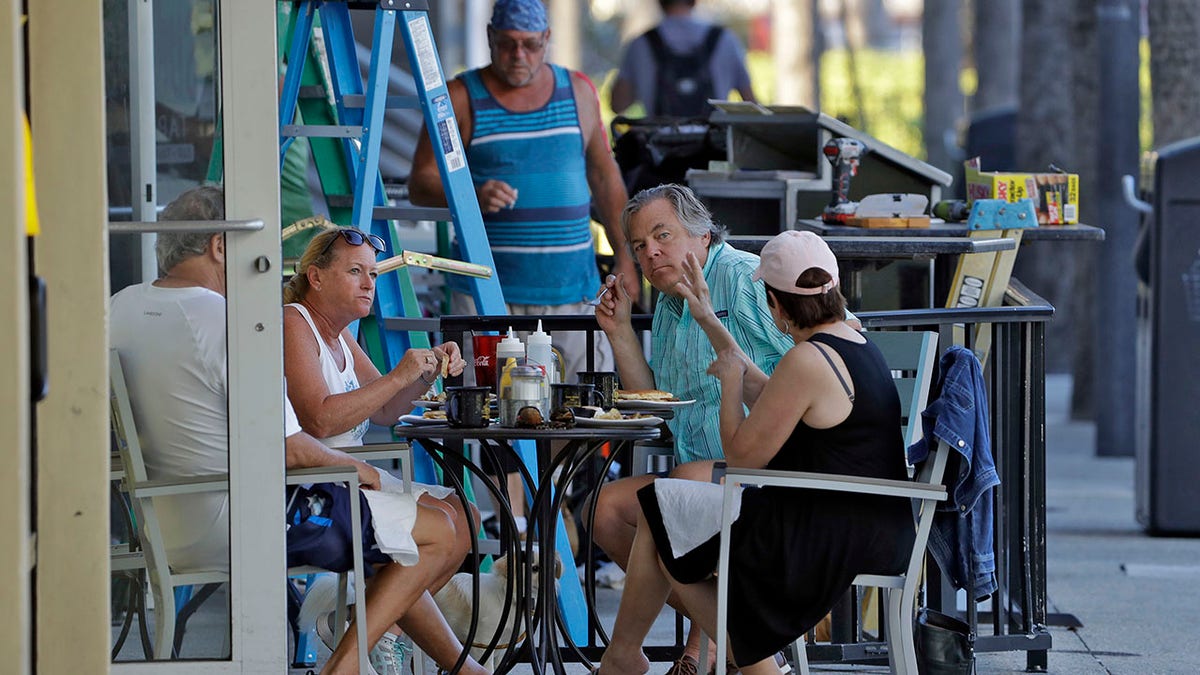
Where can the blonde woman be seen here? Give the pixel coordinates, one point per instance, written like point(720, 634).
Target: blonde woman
point(337, 391)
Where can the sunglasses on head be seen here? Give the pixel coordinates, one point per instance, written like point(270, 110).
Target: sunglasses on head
point(355, 238)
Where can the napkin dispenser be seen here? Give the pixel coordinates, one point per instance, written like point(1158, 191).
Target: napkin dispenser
point(521, 386)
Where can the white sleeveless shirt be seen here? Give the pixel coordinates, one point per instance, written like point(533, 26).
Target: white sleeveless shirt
point(338, 381)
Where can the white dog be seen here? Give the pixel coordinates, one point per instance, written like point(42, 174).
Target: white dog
point(454, 599)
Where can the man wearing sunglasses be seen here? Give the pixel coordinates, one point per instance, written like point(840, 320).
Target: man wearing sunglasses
point(539, 158)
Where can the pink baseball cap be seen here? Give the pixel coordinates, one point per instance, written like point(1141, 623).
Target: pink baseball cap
point(792, 253)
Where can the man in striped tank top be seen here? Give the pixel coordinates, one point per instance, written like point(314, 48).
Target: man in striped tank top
point(539, 158)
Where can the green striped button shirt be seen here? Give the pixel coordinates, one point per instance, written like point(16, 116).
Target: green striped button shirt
point(681, 352)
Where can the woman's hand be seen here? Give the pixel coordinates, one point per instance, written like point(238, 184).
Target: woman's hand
point(425, 363)
point(616, 306)
point(694, 289)
point(368, 476)
point(450, 360)
point(730, 364)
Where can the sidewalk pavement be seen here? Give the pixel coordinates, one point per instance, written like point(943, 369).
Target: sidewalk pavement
point(1135, 595)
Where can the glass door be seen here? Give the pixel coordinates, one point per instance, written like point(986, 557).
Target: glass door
point(191, 96)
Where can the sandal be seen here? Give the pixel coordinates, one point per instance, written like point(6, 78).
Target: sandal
point(684, 665)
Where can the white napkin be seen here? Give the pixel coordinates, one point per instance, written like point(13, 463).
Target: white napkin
point(394, 513)
point(691, 511)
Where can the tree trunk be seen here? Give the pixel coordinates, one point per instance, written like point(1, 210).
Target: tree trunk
point(877, 22)
point(1174, 62)
point(941, 39)
point(1085, 92)
point(793, 41)
point(997, 52)
point(1046, 135)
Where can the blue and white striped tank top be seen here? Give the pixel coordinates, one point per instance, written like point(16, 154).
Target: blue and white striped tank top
point(543, 245)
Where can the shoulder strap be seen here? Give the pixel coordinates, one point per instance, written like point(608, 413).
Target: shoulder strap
point(837, 372)
point(710, 42)
point(657, 45)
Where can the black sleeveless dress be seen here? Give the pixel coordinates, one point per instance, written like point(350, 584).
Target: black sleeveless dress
point(795, 552)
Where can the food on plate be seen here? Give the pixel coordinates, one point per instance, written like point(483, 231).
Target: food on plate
point(432, 396)
point(645, 395)
point(434, 414)
point(611, 414)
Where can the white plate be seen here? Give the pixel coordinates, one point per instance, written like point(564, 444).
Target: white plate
point(428, 405)
point(419, 421)
point(633, 404)
point(639, 422)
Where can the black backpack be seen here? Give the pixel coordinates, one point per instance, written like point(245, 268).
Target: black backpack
point(684, 82)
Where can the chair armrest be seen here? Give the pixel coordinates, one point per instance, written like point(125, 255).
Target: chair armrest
point(323, 474)
point(835, 482)
point(375, 451)
point(217, 482)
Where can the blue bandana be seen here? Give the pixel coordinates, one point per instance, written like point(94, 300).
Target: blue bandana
point(527, 16)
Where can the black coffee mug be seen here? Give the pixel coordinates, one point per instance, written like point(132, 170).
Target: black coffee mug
point(468, 406)
point(606, 384)
point(564, 395)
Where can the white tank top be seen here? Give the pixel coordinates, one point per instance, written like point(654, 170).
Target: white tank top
point(338, 381)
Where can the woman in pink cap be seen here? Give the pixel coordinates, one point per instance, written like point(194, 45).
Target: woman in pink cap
point(831, 407)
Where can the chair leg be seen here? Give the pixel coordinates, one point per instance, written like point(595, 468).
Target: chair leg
point(902, 654)
point(800, 655)
point(339, 614)
point(164, 621)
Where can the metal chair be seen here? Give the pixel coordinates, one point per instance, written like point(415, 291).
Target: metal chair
point(911, 357)
point(163, 579)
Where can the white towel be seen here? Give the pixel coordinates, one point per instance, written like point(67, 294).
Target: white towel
point(691, 511)
point(394, 513)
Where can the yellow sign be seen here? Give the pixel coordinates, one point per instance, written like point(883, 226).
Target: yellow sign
point(31, 213)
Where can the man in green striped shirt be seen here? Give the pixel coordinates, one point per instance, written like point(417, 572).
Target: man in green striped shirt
point(663, 225)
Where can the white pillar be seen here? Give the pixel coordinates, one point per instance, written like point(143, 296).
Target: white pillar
point(566, 33)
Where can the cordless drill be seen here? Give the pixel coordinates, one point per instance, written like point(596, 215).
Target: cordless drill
point(844, 154)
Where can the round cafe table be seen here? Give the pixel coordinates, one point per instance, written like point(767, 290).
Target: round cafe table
point(543, 622)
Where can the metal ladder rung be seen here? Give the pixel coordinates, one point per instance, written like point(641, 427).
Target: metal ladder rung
point(411, 213)
point(401, 102)
point(322, 130)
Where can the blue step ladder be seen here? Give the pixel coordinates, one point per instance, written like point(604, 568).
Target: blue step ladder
point(359, 113)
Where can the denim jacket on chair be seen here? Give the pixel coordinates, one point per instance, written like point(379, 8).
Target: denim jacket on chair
point(961, 539)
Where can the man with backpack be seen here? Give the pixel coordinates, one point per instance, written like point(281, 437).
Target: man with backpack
point(674, 68)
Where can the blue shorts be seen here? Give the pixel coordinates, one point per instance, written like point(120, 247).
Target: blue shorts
point(319, 529)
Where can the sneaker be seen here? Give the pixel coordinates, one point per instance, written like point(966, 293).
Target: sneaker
point(610, 575)
point(385, 657)
point(326, 630)
point(389, 654)
point(684, 665)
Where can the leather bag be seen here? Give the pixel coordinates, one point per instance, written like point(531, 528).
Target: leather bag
point(945, 645)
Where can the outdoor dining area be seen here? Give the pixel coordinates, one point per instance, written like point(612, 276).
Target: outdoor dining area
point(695, 337)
